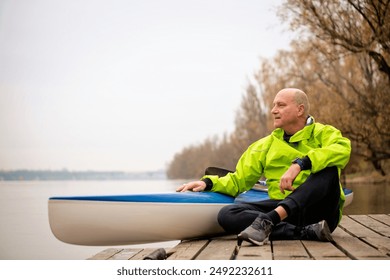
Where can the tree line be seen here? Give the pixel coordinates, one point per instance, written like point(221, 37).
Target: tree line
point(340, 58)
point(66, 175)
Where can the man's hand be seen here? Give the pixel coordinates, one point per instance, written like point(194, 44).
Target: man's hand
point(196, 186)
point(287, 180)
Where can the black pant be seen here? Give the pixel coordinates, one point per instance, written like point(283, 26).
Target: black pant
point(315, 200)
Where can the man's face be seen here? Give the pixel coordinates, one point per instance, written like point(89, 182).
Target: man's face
point(285, 110)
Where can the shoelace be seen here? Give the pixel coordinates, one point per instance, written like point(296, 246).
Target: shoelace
point(262, 224)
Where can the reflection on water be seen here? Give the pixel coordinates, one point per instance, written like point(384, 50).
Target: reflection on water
point(369, 199)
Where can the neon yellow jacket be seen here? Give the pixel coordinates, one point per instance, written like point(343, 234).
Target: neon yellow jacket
point(271, 156)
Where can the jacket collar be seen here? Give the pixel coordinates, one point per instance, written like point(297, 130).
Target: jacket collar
point(300, 135)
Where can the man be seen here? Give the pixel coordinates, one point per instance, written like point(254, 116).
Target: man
point(301, 160)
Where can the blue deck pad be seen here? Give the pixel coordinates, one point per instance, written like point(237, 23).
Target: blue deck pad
point(178, 197)
point(347, 191)
point(252, 196)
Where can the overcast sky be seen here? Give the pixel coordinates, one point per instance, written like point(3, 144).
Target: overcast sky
point(124, 84)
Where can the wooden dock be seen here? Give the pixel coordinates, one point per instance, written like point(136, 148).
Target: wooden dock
point(358, 237)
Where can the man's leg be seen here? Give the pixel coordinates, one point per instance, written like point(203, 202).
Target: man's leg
point(315, 200)
point(236, 217)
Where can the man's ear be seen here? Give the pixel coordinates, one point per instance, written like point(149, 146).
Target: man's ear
point(301, 109)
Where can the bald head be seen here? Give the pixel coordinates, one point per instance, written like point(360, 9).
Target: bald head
point(290, 110)
point(299, 97)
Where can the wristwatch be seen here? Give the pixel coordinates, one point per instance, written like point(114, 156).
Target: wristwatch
point(299, 162)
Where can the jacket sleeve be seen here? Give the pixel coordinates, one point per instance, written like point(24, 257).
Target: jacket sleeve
point(248, 171)
point(333, 150)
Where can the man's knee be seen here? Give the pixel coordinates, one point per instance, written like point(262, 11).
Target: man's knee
point(236, 217)
point(330, 172)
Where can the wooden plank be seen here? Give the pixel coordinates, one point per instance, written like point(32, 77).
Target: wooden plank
point(377, 234)
point(383, 218)
point(377, 225)
point(382, 244)
point(218, 249)
point(323, 251)
point(351, 226)
point(355, 248)
point(125, 254)
point(143, 253)
point(373, 224)
point(187, 250)
point(250, 252)
point(106, 254)
point(364, 237)
point(289, 250)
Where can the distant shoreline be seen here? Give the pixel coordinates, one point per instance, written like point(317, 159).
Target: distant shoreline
point(373, 178)
point(63, 175)
point(66, 175)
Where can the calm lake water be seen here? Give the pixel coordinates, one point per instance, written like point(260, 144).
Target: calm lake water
point(25, 232)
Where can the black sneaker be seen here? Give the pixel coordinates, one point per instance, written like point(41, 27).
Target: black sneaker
point(257, 233)
point(318, 232)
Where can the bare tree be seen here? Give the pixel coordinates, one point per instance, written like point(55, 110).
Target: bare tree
point(250, 122)
point(356, 26)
